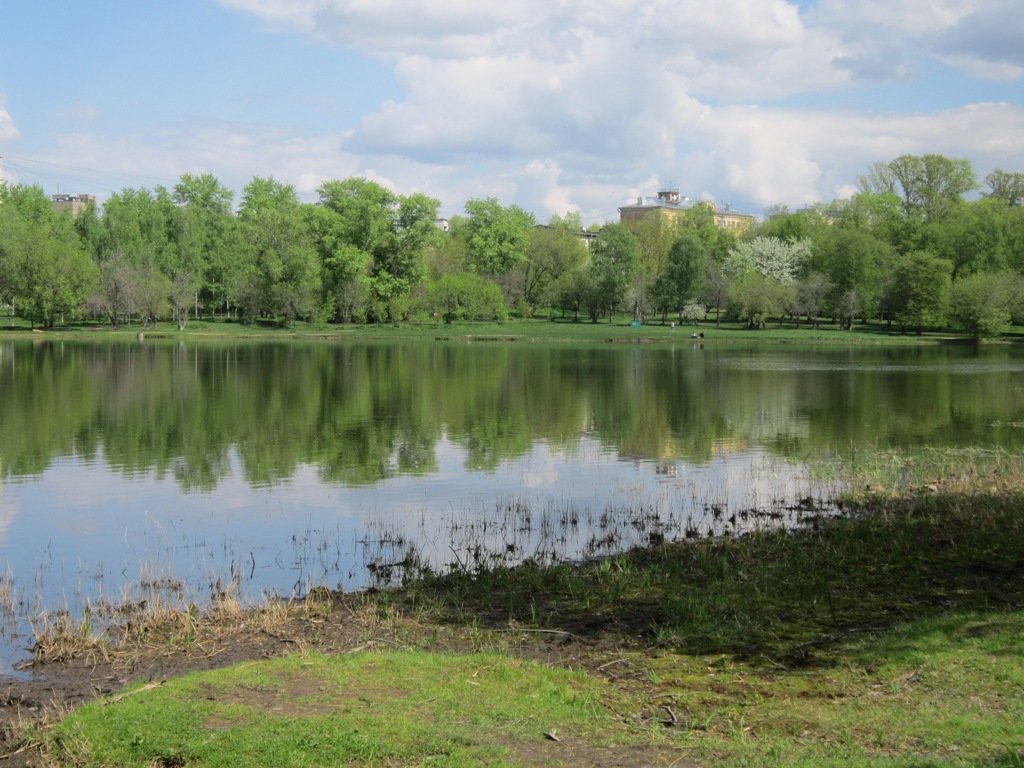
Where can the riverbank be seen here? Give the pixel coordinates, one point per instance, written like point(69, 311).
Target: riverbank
point(890, 635)
point(529, 331)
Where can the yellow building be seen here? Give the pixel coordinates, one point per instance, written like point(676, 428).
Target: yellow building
point(668, 203)
point(73, 204)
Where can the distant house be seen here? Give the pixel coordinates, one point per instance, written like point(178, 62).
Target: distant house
point(73, 204)
point(668, 204)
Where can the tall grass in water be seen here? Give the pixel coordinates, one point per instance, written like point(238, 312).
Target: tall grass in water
point(923, 540)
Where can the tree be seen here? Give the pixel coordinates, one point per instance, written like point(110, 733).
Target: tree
point(811, 294)
point(851, 260)
point(769, 256)
point(1006, 186)
point(880, 179)
point(118, 288)
point(680, 281)
point(466, 296)
point(716, 290)
point(613, 258)
point(554, 251)
point(206, 235)
point(980, 303)
point(497, 237)
point(754, 298)
point(47, 273)
point(919, 290)
point(930, 184)
point(375, 230)
point(283, 275)
point(977, 238)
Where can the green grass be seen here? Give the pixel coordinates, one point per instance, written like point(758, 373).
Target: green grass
point(934, 692)
point(538, 329)
point(362, 709)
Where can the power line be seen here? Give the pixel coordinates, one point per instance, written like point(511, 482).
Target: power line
point(92, 180)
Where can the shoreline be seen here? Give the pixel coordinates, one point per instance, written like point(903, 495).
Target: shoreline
point(883, 565)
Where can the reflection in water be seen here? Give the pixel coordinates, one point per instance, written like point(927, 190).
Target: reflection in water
point(275, 467)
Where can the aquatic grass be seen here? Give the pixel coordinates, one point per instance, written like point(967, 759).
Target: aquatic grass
point(789, 596)
point(899, 472)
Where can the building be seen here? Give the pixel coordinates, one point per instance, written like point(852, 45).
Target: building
point(73, 204)
point(668, 204)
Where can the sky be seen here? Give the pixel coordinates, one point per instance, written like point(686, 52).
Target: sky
point(552, 105)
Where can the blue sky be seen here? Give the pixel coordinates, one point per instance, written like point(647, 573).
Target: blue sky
point(576, 105)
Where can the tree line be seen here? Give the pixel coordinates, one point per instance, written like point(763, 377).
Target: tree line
point(908, 250)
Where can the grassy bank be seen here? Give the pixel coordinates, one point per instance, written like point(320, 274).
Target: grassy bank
point(889, 636)
point(540, 329)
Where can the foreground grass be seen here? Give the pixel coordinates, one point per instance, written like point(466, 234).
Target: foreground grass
point(361, 709)
point(892, 636)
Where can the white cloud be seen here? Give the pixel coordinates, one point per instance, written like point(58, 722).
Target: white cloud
point(583, 105)
point(8, 130)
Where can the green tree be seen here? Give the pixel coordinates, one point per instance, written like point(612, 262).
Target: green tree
point(497, 237)
point(981, 303)
point(613, 258)
point(930, 184)
point(207, 235)
point(1006, 186)
point(554, 252)
point(919, 290)
point(283, 275)
point(853, 262)
point(467, 296)
point(374, 225)
point(48, 273)
point(976, 238)
point(681, 279)
point(755, 298)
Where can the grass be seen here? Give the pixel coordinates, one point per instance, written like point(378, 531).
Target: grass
point(890, 636)
point(360, 709)
point(531, 330)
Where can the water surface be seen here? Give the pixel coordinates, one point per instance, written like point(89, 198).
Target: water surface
point(270, 468)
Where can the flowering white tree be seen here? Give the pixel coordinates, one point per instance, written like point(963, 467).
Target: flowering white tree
point(771, 257)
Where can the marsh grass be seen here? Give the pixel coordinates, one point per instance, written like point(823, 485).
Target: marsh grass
point(790, 597)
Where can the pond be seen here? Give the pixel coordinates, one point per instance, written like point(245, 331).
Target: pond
point(190, 468)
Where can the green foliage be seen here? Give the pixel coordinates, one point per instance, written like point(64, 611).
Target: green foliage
point(496, 236)
point(467, 296)
point(931, 185)
point(981, 303)
point(365, 253)
point(1006, 186)
point(613, 260)
point(554, 252)
point(918, 292)
point(372, 244)
point(681, 280)
point(280, 276)
point(755, 298)
point(47, 273)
